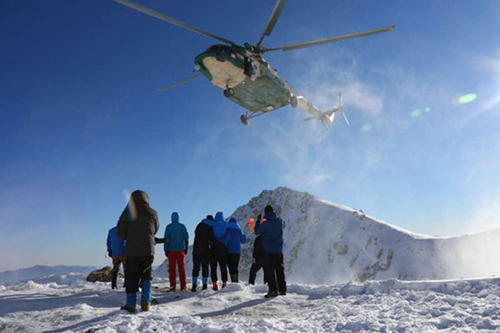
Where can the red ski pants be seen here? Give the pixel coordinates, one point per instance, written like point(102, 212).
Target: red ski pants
point(177, 259)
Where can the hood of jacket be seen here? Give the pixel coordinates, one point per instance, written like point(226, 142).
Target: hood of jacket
point(175, 217)
point(270, 215)
point(219, 217)
point(140, 197)
point(233, 224)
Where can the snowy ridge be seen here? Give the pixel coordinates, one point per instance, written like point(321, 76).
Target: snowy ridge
point(330, 243)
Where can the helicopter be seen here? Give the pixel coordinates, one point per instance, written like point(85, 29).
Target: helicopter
point(245, 77)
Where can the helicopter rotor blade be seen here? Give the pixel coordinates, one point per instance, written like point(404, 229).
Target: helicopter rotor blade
point(179, 83)
point(278, 8)
point(329, 40)
point(171, 20)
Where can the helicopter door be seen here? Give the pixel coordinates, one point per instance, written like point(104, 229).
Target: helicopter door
point(248, 70)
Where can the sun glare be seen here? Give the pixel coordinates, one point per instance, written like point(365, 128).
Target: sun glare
point(467, 98)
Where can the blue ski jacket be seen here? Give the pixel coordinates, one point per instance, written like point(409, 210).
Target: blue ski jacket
point(219, 227)
point(115, 244)
point(271, 232)
point(234, 237)
point(176, 236)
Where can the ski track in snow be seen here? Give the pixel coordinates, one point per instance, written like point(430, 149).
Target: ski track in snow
point(375, 306)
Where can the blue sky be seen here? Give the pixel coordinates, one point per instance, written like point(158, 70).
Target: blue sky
point(81, 123)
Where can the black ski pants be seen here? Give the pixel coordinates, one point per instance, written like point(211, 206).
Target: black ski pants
point(218, 256)
point(256, 266)
point(201, 260)
point(137, 269)
point(274, 272)
point(233, 260)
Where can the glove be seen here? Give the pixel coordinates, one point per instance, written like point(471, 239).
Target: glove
point(110, 254)
point(185, 251)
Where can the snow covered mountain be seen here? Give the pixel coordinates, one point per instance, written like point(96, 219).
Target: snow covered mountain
point(40, 272)
point(330, 243)
point(327, 243)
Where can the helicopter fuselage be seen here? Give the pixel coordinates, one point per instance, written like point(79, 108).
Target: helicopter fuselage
point(244, 76)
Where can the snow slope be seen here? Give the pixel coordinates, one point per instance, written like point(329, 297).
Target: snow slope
point(330, 243)
point(375, 306)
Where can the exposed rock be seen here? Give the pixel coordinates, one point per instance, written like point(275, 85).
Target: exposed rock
point(101, 275)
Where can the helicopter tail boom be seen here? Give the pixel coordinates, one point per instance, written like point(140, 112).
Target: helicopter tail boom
point(327, 117)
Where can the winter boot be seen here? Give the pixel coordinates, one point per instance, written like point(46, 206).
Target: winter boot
point(145, 306)
point(172, 289)
point(128, 309)
point(214, 285)
point(224, 284)
point(271, 294)
point(130, 305)
point(234, 278)
point(204, 280)
point(194, 283)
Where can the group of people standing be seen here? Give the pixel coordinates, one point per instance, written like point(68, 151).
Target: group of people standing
point(217, 243)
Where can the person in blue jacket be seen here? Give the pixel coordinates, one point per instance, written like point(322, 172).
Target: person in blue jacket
point(271, 232)
point(116, 251)
point(234, 238)
point(176, 246)
point(219, 252)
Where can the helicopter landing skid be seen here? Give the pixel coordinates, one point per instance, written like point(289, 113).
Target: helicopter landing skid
point(245, 118)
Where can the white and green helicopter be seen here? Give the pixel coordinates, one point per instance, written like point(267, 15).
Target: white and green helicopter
point(243, 74)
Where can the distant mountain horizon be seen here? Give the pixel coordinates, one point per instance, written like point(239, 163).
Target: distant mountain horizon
point(39, 271)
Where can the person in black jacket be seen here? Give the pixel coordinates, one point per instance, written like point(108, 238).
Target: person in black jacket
point(258, 257)
point(203, 241)
point(137, 226)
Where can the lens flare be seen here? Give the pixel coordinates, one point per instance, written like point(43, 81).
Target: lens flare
point(132, 209)
point(416, 113)
point(366, 128)
point(130, 204)
point(467, 98)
